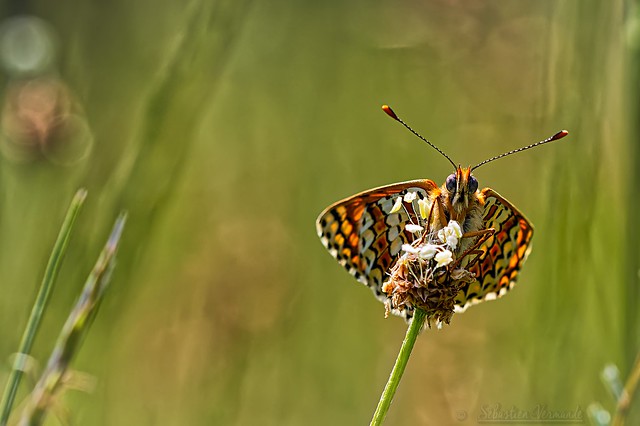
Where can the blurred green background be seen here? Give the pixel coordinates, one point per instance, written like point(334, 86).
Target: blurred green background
point(225, 127)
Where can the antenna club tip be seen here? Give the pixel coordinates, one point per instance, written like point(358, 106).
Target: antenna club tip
point(561, 134)
point(387, 109)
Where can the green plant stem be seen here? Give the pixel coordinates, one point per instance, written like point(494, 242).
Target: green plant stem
point(50, 274)
point(624, 402)
point(416, 325)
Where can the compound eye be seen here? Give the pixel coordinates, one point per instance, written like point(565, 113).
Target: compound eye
point(451, 182)
point(473, 184)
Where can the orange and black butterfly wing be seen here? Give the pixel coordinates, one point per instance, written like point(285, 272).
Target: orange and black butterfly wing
point(365, 237)
point(503, 254)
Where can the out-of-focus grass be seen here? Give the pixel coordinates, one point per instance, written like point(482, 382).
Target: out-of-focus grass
point(225, 128)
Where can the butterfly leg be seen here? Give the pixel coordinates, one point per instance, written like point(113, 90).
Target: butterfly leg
point(480, 232)
point(441, 215)
point(484, 234)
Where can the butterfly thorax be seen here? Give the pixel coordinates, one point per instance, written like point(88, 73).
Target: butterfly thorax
point(461, 201)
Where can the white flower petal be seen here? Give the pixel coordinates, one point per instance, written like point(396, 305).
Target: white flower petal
point(452, 230)
point(424, 208)
point(455, 228)
point(410, 196)
point(428, 251)
point(410, 249)
point(452, 241)
point(444, 258)
point(413, 228)
point(397, 206)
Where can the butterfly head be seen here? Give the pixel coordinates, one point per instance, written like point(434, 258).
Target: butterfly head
point(460, 188)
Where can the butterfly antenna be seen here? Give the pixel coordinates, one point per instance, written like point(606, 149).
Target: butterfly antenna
point(561, 134)
point(387, 109)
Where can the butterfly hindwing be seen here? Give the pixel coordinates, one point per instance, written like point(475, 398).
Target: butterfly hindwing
point(364, 236)
point(503, 253)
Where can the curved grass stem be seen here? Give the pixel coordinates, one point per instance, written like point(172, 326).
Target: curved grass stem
point(51, 272)
point(416, 325)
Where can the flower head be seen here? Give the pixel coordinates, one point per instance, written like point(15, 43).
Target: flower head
point(424, 276)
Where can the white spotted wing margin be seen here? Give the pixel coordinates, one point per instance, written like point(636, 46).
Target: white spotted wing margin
point(503, 254)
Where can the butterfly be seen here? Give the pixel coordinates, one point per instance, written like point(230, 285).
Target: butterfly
point(366, 232)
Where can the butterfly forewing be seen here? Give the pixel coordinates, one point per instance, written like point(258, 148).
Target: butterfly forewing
point(364, 236)
point(502, 255)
